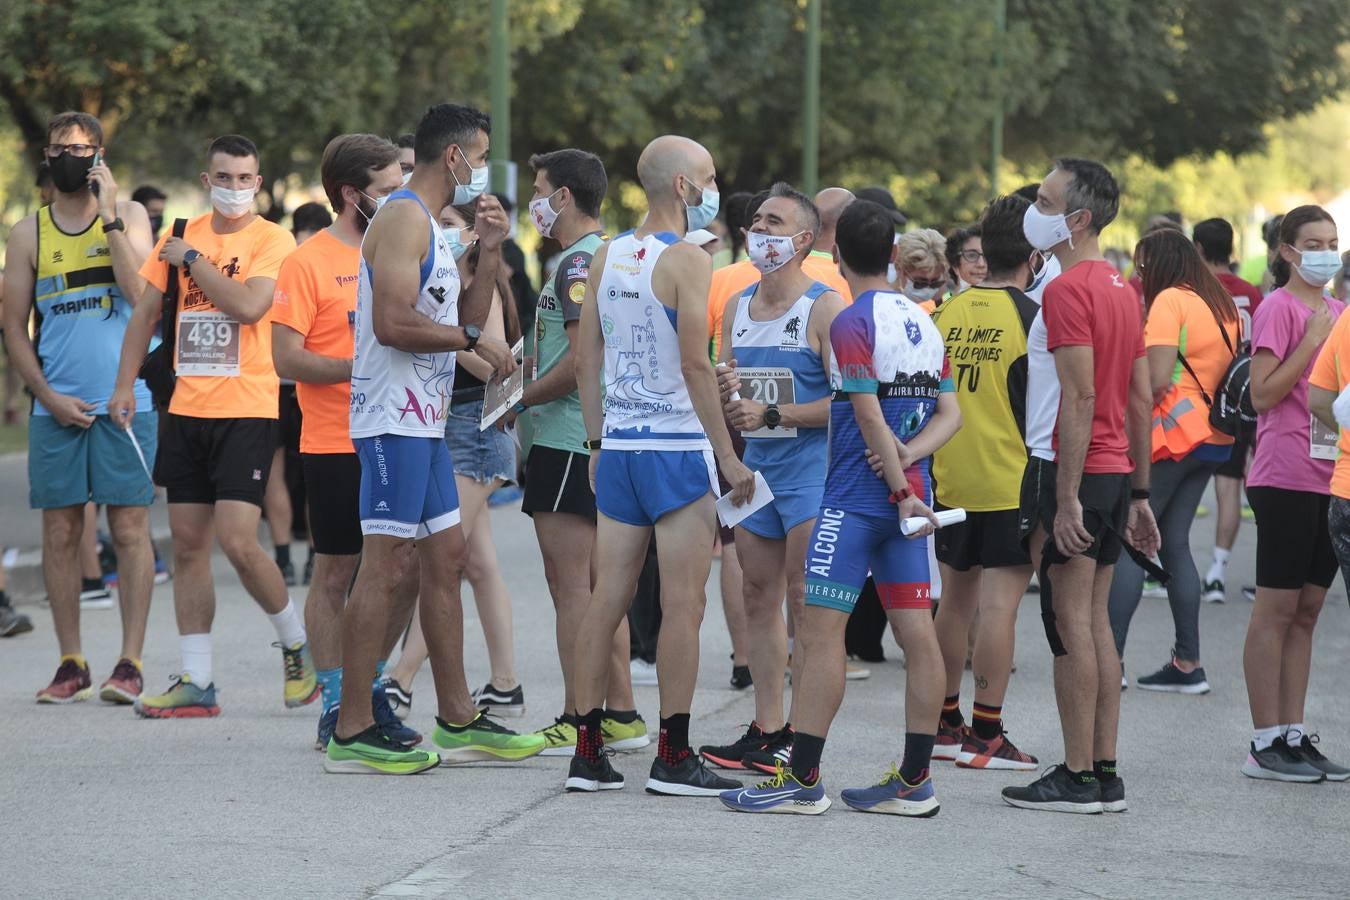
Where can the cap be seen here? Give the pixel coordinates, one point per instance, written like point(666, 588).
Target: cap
point(700, 237)
point(882, 197)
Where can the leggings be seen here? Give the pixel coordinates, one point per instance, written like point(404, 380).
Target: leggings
point(1176, 488)
point(1338, 520)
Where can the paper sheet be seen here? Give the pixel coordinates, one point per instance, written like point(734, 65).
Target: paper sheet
point(732, 515)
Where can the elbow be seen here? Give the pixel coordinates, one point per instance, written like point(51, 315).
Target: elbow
point(282, 363)
point(693, 368)
point(1262, 402)
point(249, 316)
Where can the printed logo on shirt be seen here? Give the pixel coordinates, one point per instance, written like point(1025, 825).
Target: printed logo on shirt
point(912, 332)
point(257, 474)
point(792, 330)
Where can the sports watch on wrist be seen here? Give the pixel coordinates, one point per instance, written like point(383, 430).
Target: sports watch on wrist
point(115, 225)
point(189, 258)
point(772, 416)
point(472, 333)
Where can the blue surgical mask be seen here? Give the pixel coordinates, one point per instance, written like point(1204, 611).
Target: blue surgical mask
point(467, 193)
point(457, 247)
point(701, 216)
point(1317, 267)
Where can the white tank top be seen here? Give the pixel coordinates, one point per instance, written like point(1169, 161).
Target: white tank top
point(395, 392)
point(647, 405)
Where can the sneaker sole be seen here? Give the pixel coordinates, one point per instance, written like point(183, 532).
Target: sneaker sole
point(766, 769)
point(364, 767)
point(505, 710)
point(479, 753)
point(178, 712)
point(77, 697)
point(117, 696)
point(925, 809)
point(857, 676)
point(1253, 769)
point(734, 765)
point(1114, 806)
point(590, 786)
point(949, 752)
point(675, 789)
point(1215, 598)
point(1060, 806)
point(974, 761)
point(17, 629)
point(627, 744)
point(786, 807)
point(97, 604)
point(1201, 688)
point(296, 704)
point(570, 750)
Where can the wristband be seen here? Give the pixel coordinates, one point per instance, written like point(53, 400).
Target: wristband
point(519, 408)
point(1138, 493)
point(903, 494)
point(592, 444)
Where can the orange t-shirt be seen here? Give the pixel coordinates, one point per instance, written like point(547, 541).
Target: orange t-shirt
point(729, 281)
point(820, 266)
point(248, 385)
point(1180, 318)
point(316, 298)
point(1331, 372)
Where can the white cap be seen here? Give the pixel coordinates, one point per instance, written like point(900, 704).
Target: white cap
point(700, 237)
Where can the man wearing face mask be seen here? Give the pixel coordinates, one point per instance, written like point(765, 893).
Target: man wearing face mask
point(216, 441)
point(1080, 508)
point(153, 199)
point(313, 318)
point(75, 263)
point(775, 391)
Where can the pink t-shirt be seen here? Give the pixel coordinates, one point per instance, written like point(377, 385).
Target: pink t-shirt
point(1283, 434)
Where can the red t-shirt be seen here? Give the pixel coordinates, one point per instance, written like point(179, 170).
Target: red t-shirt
point(1246, 295)
point(1091, 305)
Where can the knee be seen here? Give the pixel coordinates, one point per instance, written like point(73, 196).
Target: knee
point(61, 531)
point(130, 529)
point(237, 546)
point(1305, 615)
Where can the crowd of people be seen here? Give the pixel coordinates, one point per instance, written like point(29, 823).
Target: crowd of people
point(910, 430)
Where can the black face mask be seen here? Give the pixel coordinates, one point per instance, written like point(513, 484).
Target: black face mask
point(156, 223)
point(70, 173)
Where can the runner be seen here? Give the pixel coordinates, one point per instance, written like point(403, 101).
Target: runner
point(1086, 502)
point(985, 568)
point(775, 344)
point(921, 265)
point(216, 441)
point(1288, 486)
point(646, 305)
point(75, 262)
point(407, 314)
point(312, 320)
point(892, 395)
point(569, 186)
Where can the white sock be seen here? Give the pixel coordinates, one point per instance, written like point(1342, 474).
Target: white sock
point(1293, 734)
point(196, 652)
point(290, 630)
point(1219, 567)
point(1264, 737)
point(791, 641)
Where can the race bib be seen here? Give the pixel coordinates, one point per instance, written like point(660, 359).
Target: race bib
point(1321, 439)
point(208, 344)
point(768, 385)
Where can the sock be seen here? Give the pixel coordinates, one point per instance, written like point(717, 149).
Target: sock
point(569, 719)
point(1293, 734)
point(1105, 770)
point(918, 754)
point(290, 630)
point(1264, 737)
point(589, 738)
point(283, 555)
point(330, 681)
point(673, 744)
point(622, 716)
point(77, 658)
point(379, 674)
point(90, 584)
point(951, 711)
point(196, 652)
point(4, 599)
point(135, 661)
point(1219, 566)
point(1087, 777)
point(987, 721)
point(806, 751)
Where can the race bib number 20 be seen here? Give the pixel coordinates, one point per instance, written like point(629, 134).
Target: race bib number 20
point(767, 385)
point(208, 344)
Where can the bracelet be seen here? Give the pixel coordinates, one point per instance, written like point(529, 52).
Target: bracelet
point(592, 444)
point(1138, 493)
point(903, 494)
point(519, 408)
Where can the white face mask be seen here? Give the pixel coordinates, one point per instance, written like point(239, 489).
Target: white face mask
point(232, 204)
point(1317, 267)
point(918, 293)
point(407, 176)
point(770, 252)
point(452, 237)
point(466, 193)
point(1045, 232)
point(541, 212)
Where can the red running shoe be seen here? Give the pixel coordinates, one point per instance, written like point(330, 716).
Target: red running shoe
point(949, 740)
point(996, 753)
point(124, 685)
point(71, 684)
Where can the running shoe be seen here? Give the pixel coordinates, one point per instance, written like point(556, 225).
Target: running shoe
point(1057, 791)
point(1214, 592)
point(124, 685)
point(731, 756)
point(560, 738)
point(687, 778)
point(1172, 680)
point(588, 777)
point(483, 739)
point(1306, 750)
point(162, 573)
point(996, 753)
point(71, 684)
point(1154, 590)
point(302, 685)
point(93, 595)
point(1113, 795)
point(1249, 593)
point(391, 724)
point(327, 725)
point(895, 796)
point(288, 574)
point(373, 752)
point(949, 740)
point(499, 702)
point(1248, 514)
point(740, 678)
point(641, 672)
point(776, 751)
point(856, 673)
point(782, 793)
point(1280, 762)
point(505, 495)
point(624, 736)
point(183, 700)
point(13, 623)
point(400, 701)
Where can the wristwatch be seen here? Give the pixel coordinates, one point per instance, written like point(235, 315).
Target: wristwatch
point(115, 225)
point(472, 333)
point(592, 443)
point(189, 258)
point(772, 417)
point(519, 408)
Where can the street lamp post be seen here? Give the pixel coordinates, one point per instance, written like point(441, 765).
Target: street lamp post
point(499, 94)
point(811, 101)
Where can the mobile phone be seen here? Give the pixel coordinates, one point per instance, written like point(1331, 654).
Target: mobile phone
point(93, 185)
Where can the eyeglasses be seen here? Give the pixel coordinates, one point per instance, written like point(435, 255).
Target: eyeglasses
point(81, 150)
point(972, 256)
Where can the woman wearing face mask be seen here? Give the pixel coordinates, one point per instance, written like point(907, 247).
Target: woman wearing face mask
point(1288, 486)
point(965, 258)
point(1192, 333)
point(921, 262)
point(484, 461)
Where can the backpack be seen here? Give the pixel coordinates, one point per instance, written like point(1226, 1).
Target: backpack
point(1230, 409)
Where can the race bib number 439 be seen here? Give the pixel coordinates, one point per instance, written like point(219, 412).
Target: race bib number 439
point(208, 344)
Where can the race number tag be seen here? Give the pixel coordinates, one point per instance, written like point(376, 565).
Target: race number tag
point(208, 344)
point(1321, 439)
point(768, 385)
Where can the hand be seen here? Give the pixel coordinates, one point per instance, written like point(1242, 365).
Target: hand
point(1070, 536)
point(173, 251)
point(490, 222)
point(728, 382)
point(102, 176)
point(506, 420)
point(901, 450)
point(595, 461)
point(1141, 529)
point(69, 410)
point(1318, 325)
point(741, 479)
point(122, 406)
point(913, 506)
point(496, 354)
point(746, 415)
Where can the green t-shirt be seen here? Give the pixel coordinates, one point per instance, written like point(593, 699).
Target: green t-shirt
point(558, 423)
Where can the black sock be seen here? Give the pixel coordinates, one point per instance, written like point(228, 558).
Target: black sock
point(986, 721)
point(283, 555)
point(1105, 770)
point(90, 584)
point(589, 738)
point(951, 711)
point(4, 599)
point(806, 751)
point(1087, 777)
point(624, 716)
point(918, 755)
point(673, 744)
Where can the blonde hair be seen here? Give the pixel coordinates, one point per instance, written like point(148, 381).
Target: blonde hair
point(922, 249)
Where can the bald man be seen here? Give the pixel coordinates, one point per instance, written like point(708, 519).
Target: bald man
point(644, 316)
point(819, 263)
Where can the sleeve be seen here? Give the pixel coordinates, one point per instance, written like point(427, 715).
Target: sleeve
point(851, 344)
point(945, 383)
point(1165, 318)
point(155, 270)
point(569, 283)
point(1068, 318)
point(295, 300)
point(1326, 370)
point(272, 252)
point(1271, 329)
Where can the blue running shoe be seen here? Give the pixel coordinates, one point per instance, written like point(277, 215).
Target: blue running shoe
point(782, 793)
point(327, 725)
point(896, 796)
point(389, 722)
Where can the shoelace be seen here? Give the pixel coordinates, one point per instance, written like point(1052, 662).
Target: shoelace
point(779, 779)
point(293, 661)
point(1306, 745)
point(556, 732)
point(488, 722)
point(892, 776)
